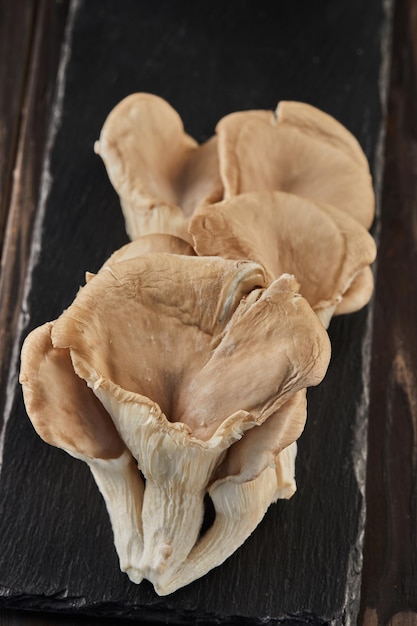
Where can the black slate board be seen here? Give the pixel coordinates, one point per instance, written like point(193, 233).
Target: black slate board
point(303, 564)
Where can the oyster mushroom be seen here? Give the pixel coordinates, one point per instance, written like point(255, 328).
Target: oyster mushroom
point(160, 173)
point(297, 149)
point(327, 250)
point(168, 361)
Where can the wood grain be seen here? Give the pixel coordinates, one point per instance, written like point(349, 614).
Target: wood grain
point(36, 30)
point(16, 32)
point(390, 557)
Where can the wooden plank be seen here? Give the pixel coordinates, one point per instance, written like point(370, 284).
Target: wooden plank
point(303, 563)
point(16, 20)
point(32, 110)
point(389, 590)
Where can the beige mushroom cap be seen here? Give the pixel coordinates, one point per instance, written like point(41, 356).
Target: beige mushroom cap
point(323, 247)
point(159, 172)
point(63, 410)
point(188, 318)
point(202, 328)
point(300, 150)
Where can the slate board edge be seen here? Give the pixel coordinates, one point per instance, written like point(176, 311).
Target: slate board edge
point(359, 452)
point(108, 611)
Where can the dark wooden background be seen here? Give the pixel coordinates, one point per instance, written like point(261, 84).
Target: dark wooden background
point(31, 35)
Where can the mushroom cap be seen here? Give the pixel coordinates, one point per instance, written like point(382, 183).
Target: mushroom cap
point(203, 341)
point(326, 249)
point(358, 293)
point(297, 149)
point(160, 173)
point(63, 410)
point(189, 320)
point(318, 124)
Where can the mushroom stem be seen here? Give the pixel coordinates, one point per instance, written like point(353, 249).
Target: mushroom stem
point(122, 488)
point(239, 509)
point(172, 517)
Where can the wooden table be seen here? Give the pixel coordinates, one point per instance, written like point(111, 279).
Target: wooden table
point(31, 35)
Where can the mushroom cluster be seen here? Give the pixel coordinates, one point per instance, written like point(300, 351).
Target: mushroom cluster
point(180, 370)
